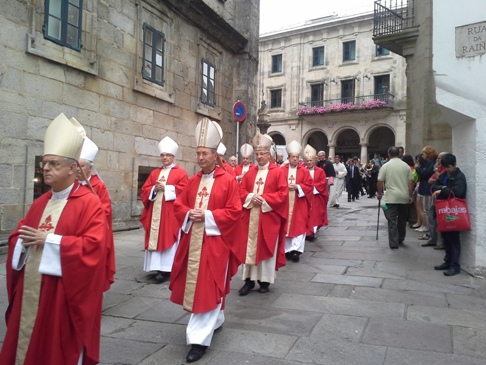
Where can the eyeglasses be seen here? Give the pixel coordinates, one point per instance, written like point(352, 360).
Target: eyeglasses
point(53, 164)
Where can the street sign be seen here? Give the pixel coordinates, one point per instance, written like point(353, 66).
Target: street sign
point(239, 111)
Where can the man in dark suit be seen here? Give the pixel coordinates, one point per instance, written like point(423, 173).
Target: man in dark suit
point(352, 181)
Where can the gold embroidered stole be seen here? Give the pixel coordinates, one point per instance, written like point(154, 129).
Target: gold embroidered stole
point(196, 242)
point(32, 279)
point(292, 178)
point(157, 212)
point(251, 248)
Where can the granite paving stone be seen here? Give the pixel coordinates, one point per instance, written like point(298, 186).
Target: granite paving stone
point(469, 341)
point(396, 356)
point(393, 332)
point(316, 351)
point(375, 273)
point(348, 280)
point(330, 305)
point(400, 296)
point(338, 327)
point(427, 287)
point(450, 316)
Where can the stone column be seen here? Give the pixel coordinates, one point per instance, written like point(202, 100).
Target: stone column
point(364, 152)
point(332, 150)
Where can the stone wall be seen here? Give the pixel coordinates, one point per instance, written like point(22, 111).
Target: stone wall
point(102, 87)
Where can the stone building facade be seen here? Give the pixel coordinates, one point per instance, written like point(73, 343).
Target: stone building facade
point(444, 45)
point(131, 72)
point(320, 81)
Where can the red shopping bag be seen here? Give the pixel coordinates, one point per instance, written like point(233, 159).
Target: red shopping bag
point(452, 215)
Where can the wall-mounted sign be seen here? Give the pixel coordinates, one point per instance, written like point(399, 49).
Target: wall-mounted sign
point(471, 40)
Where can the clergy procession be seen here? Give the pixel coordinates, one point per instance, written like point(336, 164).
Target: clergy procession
point(249, 218)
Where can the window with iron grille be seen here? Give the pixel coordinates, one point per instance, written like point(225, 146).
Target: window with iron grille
point(277, 63)
point(276, 98)
point(62, 22)
point(317, 94)
point(347, 91)
point(349, 51)
point(153, 55)
point(318, 56)
point(208, 74)
point(381, 51)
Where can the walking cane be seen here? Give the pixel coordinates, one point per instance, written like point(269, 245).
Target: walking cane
point(378, 221)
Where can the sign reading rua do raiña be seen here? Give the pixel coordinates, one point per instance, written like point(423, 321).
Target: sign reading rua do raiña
point(471, 40)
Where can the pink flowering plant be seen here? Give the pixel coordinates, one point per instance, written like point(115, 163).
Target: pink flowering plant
point(333, 108)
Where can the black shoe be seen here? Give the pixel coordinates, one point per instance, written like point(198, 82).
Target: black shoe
point(245, 289)
point(310, 238)
point(264, 287)
point(349, 200)
point(295, 256)
point(443, 266)
point(195, 353)
point(439, 248)
point(428, 244)
point(370, 197)
point(394, 247)
point(161, 277)
point(357, 198)
point(452, 271)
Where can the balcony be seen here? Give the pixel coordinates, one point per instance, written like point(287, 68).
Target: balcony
point(347, 104)
point(394, 26)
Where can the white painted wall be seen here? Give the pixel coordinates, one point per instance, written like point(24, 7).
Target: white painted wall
point(461, 95)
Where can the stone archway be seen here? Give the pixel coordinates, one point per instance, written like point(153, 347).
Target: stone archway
point(379, 141)
point(280, 143)
point(319, 141)
point(278, 139)
point(348, 144)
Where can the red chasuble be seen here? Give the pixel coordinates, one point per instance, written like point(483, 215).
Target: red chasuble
point(272, 225)
point(239, 169)
point(300, 212)
point(169, 227)
point(228, 168)
point(100, 189)
point(318, 212)
point(220, 256)
point(69, 308)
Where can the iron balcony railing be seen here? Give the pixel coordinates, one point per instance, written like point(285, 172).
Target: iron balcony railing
point(363, 100)
point(393, 16)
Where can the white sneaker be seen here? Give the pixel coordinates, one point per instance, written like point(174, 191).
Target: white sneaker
point(422, 229)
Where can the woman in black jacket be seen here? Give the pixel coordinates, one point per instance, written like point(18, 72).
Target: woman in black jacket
point(450, 181)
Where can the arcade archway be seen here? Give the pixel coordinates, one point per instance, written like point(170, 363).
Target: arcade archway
point(319, 141)
point(379, 141)
point(348, 144)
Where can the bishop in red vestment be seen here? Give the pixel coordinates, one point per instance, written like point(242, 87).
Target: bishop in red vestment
point(318, 211)
point(159, 192)
point(56, 264)
point(208, 210)
point(264, 194)
point(300, 200)
point(87, 177)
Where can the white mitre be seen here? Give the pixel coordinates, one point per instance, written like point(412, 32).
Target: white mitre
point(64, 137)
point(168, 145)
